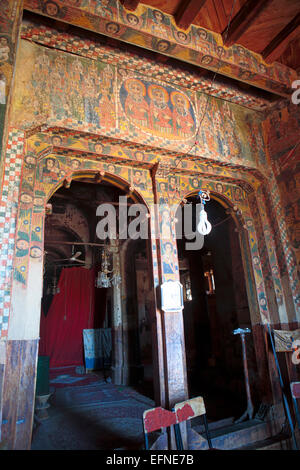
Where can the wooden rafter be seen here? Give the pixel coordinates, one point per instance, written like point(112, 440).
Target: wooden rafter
point(278, 44)
point(130, 4)
point(243, 20)
point(187, 12)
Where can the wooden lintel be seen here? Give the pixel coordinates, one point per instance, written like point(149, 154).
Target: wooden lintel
point(187, 12)
point(278, 44)
point(243, 19)
point(130, 4)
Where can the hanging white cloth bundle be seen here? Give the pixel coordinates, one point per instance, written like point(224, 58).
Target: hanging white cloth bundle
point(204, 226)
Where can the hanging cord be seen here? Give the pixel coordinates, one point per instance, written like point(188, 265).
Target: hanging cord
point(211, 84)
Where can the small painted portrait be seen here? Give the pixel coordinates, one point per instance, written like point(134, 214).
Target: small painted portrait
point(35, 252)
point(195, 183)
point(38, 201)
point(162, 46)
point(219, 188)
point(169, 266)
point(206, 60)
point(159, 26)
point(135, 105)
point(132, 19)
point(110, 168)
point(160, 112)
point(51, 8)
point(138, 180)
point(262, 301)
point(75, 164)
point(26, 199)
point(181, 37)
point(4, 49)
point(163, 189)
point(22, 244)
point(165, 224)
point(158, 16)
point(183, 120)
point(104, 9)
point(173, 189)
point(262, 69)
point(50, 170)
point(202, 34)
point(172, 184)
point(98, 148)
point(221, 51)
point(237, 194)
point(245, 74)
point(30, 161)
point(56, 140)
point(112, 28)
point(139, 155)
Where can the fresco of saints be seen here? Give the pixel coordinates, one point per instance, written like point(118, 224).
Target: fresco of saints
point(137, 180)
point(159, 27)
point(136, 107)
point(165, 225)
point(183, 122)
point(22, 244)
point(50, 171)
point(163, 190)
point(160, 112)
point(173, 191)
point(106, 106)
point(169, 266)
point(103, 9)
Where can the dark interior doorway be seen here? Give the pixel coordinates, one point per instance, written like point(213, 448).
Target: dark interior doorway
point(74, 252)
point(215, 304)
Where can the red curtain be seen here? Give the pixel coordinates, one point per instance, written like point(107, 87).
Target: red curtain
point(71, 311)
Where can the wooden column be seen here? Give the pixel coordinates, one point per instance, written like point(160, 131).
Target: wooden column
point(164, 248)
point(117, 328)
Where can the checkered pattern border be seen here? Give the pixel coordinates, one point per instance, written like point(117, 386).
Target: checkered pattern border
point(8, 218)
point(287, 250)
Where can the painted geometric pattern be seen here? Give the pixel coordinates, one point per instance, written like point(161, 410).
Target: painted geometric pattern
point(256, 264)
point(273, 260)
point(8, 217)
point(288, 252)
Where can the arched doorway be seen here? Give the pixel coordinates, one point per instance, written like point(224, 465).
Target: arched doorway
point(215, 305)
point(74, 253)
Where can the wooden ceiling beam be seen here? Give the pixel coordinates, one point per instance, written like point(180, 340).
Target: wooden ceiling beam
point(130, 4)
point(278, 45)
point(187, 12)
point(243, 20)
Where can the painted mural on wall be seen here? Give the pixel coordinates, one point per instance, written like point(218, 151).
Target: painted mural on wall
point(88, 95)
point(10, 14)
point(158, 110)
point(283, 129)
point(153, 29)
point(41, 175)
point(51, 37)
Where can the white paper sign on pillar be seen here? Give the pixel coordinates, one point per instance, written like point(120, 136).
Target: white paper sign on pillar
point(171, 296)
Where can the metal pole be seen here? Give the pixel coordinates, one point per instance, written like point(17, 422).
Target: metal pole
point(250, 408)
